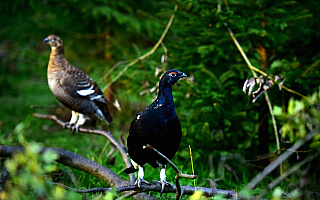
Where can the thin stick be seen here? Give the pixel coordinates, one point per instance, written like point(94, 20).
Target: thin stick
point(274, 126)
point(241, 51)
point(147, 54)
point(312, 66)
point(94, 131)
point(294, 92)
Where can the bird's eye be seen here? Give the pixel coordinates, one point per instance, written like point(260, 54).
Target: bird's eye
point(54, 39)
point(173, 74)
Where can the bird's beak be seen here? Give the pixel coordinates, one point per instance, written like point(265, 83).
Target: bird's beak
point(183, 75)
point(46, 40)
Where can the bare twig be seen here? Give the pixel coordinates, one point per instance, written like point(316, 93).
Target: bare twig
point(146, 54)
point(252, 68)
point(94, 131)
point(311, 67)
point(294, 92)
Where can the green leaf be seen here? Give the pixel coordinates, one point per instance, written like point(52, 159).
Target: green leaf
point(277, 110)
point(50, 156)
point(283, 25)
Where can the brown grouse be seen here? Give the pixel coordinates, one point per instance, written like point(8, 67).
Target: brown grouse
point(74, 88)
point(158, 125)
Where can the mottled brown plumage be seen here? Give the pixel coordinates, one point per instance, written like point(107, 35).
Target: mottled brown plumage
point(74, 88)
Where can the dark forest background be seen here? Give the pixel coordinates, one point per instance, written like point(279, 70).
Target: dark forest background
point(232, 139)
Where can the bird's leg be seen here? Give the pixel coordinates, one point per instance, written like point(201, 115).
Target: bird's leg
point(73, 120)
point(140, 178)
point(163, 181)
point(162, 178)
point(80, 122)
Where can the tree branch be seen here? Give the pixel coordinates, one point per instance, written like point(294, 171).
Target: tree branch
point(97, 132)
point(109, 177)
point(187, 190)
point(76, 161)
point(81, 163)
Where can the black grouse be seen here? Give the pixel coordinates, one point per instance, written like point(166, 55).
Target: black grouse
point(74, 88)
point(158, 125)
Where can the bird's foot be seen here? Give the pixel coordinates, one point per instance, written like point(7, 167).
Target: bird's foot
point(164, 184)
point(68, 125)
point(75, 128)
point(71, 126)
point(139, 181)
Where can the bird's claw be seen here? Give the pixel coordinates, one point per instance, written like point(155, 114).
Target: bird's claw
point(71, 126)
point(163, 184)
point(68, 125)
point(139, 181)
point(75, 128)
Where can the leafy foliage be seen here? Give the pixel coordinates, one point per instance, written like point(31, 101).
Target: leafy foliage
point(301, 117)
point(27, 175)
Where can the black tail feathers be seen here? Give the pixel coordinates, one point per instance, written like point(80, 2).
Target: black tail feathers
point(104, 109)
point(130, 170)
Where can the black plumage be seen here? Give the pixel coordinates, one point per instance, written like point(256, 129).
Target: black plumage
point(74, 88)
point(158, 125)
